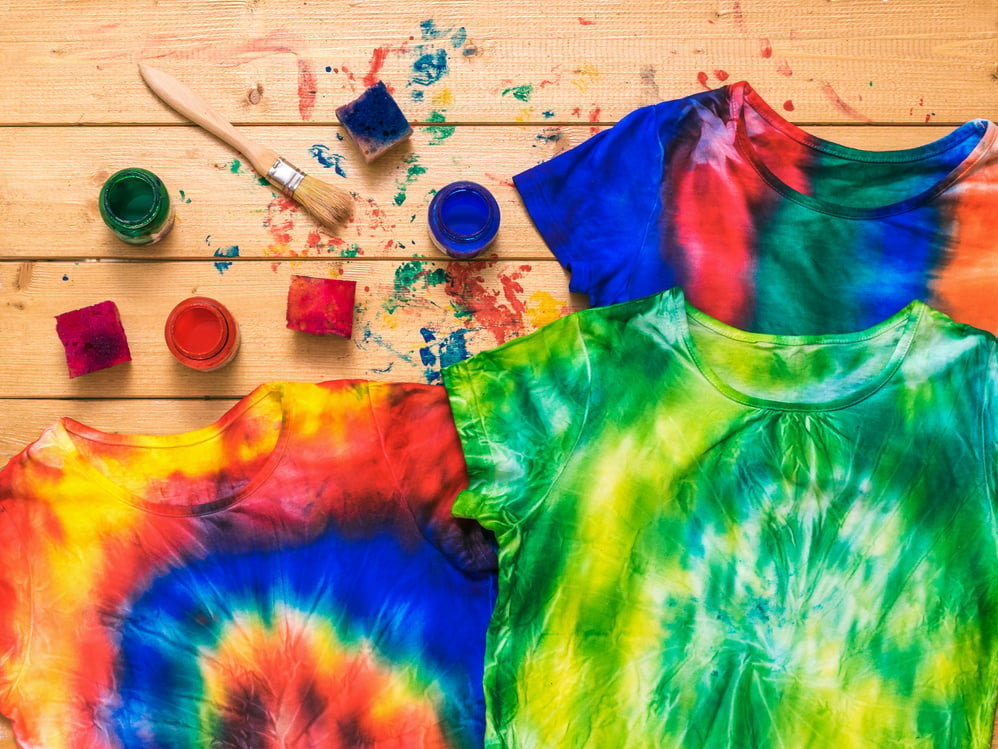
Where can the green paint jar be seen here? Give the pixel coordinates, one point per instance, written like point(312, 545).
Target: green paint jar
point(135, 205)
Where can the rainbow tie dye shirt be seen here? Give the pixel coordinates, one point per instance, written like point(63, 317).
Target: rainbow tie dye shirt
point(290, 576)
point(712, 538)
point(768, 228)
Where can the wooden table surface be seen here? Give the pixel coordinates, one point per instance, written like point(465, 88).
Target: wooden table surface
point(491, 89)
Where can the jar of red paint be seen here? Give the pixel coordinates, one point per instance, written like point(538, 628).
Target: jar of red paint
point(202, 333)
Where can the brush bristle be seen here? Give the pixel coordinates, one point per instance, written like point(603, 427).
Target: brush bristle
point(330, 205)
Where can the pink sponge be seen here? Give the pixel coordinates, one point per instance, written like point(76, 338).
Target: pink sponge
point(93, 338)
point(321, 305)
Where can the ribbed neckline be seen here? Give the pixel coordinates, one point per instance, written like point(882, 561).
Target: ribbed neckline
point(742, 95)
point(72, 431)
point(908, 319)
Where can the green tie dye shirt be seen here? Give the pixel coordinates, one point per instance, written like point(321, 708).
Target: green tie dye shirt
point(711, 538)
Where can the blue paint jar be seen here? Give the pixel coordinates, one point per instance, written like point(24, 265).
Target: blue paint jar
point(464, 219)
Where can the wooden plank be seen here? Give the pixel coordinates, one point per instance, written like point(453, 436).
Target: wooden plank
point(76, 63)
point(411, 317)
point(48, 207)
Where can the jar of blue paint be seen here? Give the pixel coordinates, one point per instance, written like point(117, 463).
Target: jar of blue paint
point(464, 219)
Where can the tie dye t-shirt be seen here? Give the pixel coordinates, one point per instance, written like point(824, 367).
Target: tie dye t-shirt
point(768, 228)
point(290, 576)
point(711, 538)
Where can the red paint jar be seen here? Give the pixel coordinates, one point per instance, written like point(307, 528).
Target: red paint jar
point(202, 334)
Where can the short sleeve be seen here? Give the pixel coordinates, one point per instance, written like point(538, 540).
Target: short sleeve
point(597, 205)
point(519, 411)
point(424, 451)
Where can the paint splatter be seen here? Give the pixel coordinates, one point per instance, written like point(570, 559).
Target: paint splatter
point(222, 265)
point(441, 353)
point(308, 88)
point(438, 133)
point(548, 114)
point(501, 312)
point(234, 166)
point(378, 58)
point(842, 106)
point(784, 68)
point(543, 308)
point(585, 76)
point(586, 22)
point(721, 75)
point(184, 198)
point(429, 68)
point(327, 158)
point(520, 92)
point(649, 83)
point(765, 48)
point(788, 105)
point(410, 278)
point(702, 79)
point(65, 277)
point(412, 174)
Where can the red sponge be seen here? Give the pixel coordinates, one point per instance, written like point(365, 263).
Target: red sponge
point(321, 305)
point(93, 338)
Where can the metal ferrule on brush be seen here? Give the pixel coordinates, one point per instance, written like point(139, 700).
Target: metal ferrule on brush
point(285, 176)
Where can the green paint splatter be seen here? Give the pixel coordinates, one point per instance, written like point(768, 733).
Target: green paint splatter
point(520, 92)
point(351, 251)
point(235, 166)
point(411, 175)
point(438, 133)
point(184, 198)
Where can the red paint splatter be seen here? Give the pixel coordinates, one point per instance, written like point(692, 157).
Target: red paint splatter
point(842, 106)
point(499, 312)
point(784, 68)
point(788, 105)
point(793, 34)
point(378, 58)
point(586, 22)
point(349, 73)
point(765, 48)
point(928, 117)
point(702, 80)
point(721, 75)
point(504, 181)
point(577, 111)
point(594, 114)
point(307, 88)
point(739, 16)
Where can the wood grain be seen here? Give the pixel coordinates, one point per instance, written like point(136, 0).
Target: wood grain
point(581, 61)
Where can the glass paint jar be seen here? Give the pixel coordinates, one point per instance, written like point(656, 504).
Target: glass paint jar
point(202, 334)
point(464, 219)
point(135, 205)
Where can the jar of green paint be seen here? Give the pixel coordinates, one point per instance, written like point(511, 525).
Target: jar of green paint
point(135, 205)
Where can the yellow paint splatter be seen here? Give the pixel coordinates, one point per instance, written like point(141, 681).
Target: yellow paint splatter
point(543, 308)
point(444, 98)
point(585, 76)
point(525, 115)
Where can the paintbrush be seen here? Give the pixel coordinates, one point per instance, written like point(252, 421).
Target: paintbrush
point(330, 205)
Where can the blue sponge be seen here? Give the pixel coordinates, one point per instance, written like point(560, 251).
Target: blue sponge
point(374, 121)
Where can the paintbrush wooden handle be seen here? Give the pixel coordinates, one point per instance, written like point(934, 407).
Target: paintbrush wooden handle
point(191, 106)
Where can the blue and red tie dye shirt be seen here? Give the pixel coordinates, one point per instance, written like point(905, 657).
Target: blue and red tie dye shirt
point(767, 227)
point(290, 576)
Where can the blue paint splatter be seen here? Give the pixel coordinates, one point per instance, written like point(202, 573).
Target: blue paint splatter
point(549, 114)
point(327, 158)
point(449, 350)
point(430, 68)
point(329, 68)
point(417, 95)
point(222, 265)
point(65, 277)
point(459, 38)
